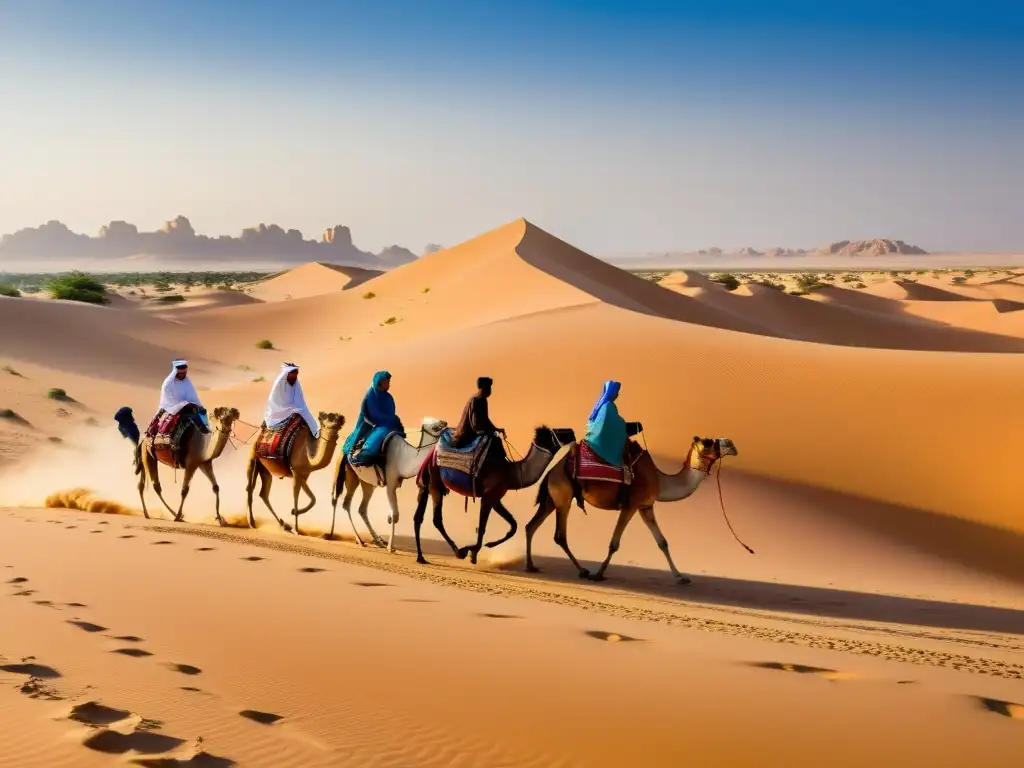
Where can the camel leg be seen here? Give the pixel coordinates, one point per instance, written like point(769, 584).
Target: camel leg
point(547, 506)
point(304, 484)
point(392, 492)
point(647, 515)
point(562, 536)
point(250, 486)
point(143, 478)
point(507, 517)
point(186, 482)
point(266, 479)
point(351, 483)
point(152, 469)
point(613, 546)
point(296, 486)
point(417, 522)
point(485, 512)
point(438, 499)
point(207, 469)
point(364, 512)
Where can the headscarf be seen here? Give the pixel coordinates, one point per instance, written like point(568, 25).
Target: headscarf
point(288, 399)
point(484, 382)
point(611, 390)
point(176, 393)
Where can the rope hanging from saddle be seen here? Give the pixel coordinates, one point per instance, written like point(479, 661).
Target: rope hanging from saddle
point(721, 499)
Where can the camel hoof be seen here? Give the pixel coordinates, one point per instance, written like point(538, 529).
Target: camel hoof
point(287, 527)
point(584, 574)
point(462, 552)
point(473, 555)
point(252, 523)
point(683, 580)
point(532, 569)
point(422, 560)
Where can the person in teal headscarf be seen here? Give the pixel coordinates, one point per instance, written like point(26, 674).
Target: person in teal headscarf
point(377, 419)
point(607, 431)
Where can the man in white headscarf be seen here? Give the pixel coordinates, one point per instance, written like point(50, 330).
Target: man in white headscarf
point(177, 392)
point(286, 399)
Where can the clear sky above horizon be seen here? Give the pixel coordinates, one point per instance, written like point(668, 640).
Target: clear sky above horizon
point(618, 126)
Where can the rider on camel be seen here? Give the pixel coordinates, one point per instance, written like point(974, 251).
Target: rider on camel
point(377, 419)
point(177, 393)
point(286, 400)
point(608, 433)
point(476, 421)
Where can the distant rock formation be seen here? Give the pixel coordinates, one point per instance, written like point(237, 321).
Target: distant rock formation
point(177, 240)
point(430, 248)
point(877, 247)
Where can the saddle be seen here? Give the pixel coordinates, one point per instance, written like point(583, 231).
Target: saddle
point(274, 445)
point(357, 457)
point(586, 465)
point(170, 433)
point(467, 460)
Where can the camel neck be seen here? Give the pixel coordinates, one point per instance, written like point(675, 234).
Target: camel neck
point(524, 473)
point(683, 483)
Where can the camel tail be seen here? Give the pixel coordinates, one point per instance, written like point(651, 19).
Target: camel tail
point(339, 480)
point(542, 493)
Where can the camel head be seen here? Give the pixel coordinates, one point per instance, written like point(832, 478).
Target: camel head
point(434, 427)
point(551, 440)
point(330, 423)
point(226, 417)
point(711, 449)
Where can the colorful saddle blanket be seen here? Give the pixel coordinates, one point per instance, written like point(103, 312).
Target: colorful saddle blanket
point(360, 457)
point(274, 445)
point(587, 465)
point(467, 460)
point(170, 433)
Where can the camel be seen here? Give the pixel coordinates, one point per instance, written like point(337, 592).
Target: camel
point(401, 462)
point(200, 453)
point(495, 478)
point(650, 485)
point(308, 454)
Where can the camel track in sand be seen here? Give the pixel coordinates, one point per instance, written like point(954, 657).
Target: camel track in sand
point(656, 610)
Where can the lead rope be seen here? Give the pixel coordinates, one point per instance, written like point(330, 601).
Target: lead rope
point(721, 500)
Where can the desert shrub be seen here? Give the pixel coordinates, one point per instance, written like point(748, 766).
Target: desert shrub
point(849, 277)
point(730, 281)
point(9, 290)
point(828, 277)
point(78, 286)
point(969, 273)
point(959, 280)
point(171, 298)
point(258, 379)
point(859, 285)
point(369, 295)
point(797, 292)
point(54, 439)
point(768, 283)
point(426, 290)
point(390, 321)
point(7, 413)
point(30, 289)
point(807, 282)
point(162, 288)
point(57, 394)
point(11, 371)
point(264, 344)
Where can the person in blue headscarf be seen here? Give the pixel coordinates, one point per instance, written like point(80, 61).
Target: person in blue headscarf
point(607, 431)
point(377, 419)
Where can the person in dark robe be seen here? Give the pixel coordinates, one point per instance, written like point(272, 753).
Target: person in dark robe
point(476, 419)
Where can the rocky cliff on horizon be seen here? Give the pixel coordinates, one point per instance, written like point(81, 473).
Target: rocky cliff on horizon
point(178, 240)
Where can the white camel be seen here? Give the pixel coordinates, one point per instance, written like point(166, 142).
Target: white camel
point(401, 462)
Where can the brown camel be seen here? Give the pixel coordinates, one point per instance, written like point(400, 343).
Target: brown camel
point(495, 478)
point(650, 485)
point(308, 454)
point(200, 451)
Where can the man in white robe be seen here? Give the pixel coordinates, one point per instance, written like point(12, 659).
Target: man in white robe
point(286, 399)
point(177, 392)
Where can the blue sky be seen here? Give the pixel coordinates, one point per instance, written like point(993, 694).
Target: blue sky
point(619, 126)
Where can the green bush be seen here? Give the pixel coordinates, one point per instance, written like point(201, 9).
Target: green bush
point(264, 344)
point(57, 394)
point(729, 281)
point(807, 282)
point(958, 280)
point(171, 299)
point(849, 277)
point(78, 286)
point(9, 290)
point(860, 285)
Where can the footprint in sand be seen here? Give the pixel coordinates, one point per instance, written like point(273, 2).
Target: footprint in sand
point(803, 669)
point(417, 600)
point(36, 688)
point(25, 593)
point(499, 616)
point(135, 653)
point(263, 718)
point(32, 670)
point(76, 605)
point(311, 569)
point(205, 549)
point(128, 639)
point(95, 531)
point(162, 541)
point(185, 669)
point(612, 637)
point(88, 626)
point(254, 558)
point(70, 527)
point(96, 714)
point(43, 602)
point(370, 584)
point(17, 579)
point(196, 758)
point(1005, 708)
point(127, 536)
point(142, 741)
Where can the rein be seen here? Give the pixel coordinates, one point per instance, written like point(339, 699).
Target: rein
point(718, 476)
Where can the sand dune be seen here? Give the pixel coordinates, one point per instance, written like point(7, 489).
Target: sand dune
point(876, 481)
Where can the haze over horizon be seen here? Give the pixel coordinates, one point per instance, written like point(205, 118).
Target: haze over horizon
point(620, 127)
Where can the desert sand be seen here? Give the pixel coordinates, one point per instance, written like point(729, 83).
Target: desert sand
point(880, 621)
